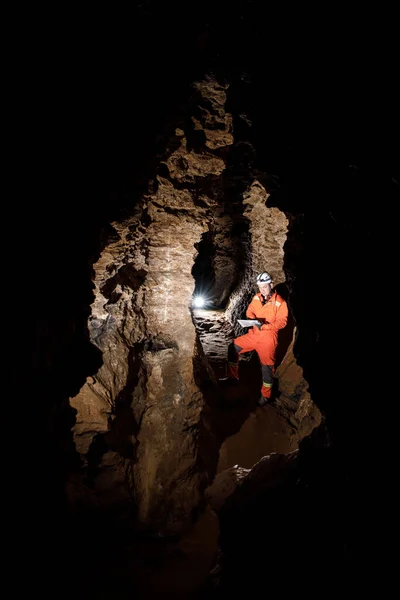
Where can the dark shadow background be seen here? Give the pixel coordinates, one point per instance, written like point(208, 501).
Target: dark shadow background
point(91, 97)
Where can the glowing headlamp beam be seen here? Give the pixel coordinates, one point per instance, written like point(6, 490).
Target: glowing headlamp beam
point(198, 301)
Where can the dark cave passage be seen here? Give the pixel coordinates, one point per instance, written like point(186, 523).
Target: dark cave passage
point(203, 269)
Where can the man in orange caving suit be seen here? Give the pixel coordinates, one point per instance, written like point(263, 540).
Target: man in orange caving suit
point(271, 309)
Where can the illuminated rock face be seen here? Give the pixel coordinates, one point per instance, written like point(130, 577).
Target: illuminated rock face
point(157, 449)
point(149, 407)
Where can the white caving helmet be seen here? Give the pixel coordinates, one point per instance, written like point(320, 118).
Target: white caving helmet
point(264, 278)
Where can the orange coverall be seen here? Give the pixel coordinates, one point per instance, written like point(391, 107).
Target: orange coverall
point(273, 313)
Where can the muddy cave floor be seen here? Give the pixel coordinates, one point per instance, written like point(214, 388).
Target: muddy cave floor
point(154, 568)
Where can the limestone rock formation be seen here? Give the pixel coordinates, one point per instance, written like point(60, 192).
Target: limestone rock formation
point(142, 428)
point(144, 402)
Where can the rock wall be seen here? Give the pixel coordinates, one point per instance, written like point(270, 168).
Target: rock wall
point(143, 403)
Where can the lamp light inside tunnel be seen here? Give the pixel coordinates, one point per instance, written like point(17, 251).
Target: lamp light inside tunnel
point(198, 301)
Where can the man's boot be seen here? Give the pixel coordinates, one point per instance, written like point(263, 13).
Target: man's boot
point(232, 376)
point(263, 401)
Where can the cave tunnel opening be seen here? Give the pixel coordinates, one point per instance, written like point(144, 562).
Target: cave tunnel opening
point(203, 271)
point(218, 271)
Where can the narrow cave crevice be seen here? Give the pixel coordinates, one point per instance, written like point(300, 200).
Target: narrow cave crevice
point(203, 268)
